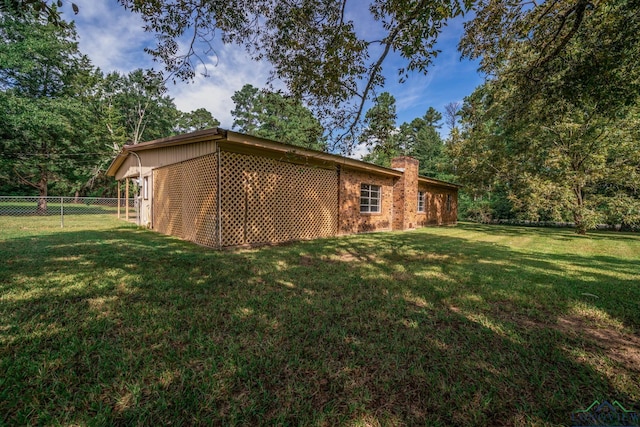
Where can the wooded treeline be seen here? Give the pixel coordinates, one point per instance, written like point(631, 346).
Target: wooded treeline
point(553, 134)
point(62, 120)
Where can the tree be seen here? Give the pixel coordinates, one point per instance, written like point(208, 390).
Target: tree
point(37, 9)
point(558, 162)
point(141, 104)
point(380, 132)
point(274, 116)
point(571, 49)
point(451, 111)
point(195, 120)
point(245, 113)
point(320, 54)
point(423, 142)
point(563, 86)
point(43, 119)
point(132, 108)
point(324, 58)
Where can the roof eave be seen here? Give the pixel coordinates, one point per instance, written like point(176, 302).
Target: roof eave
point(438, 182)
point(266, 144)
point(187, 138)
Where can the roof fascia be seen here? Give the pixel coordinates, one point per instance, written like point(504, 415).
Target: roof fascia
point(265, 144)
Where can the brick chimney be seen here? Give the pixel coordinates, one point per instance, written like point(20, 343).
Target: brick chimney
point(405, 193)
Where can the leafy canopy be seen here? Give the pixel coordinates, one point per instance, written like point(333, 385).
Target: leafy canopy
point(554, 127)
point(324, 56)
point(278, 117)
point(43, 114)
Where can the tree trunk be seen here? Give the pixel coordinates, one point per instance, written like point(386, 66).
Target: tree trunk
point(578, 212)
point(42, 194)
point(578, 218)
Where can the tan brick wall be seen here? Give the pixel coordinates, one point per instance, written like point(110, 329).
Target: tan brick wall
point(405, 194)
point(350, 219)
point(436, 212)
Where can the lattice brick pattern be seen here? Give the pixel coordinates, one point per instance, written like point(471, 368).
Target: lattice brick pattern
point(185, 200)
point(265, 200)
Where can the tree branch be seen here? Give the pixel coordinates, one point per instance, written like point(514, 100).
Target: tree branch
point(579, 10)
point(375, 69)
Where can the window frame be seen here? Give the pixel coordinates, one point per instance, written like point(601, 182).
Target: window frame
point(145, 188)
point(448, 203)
point(421, 200)
point(366, 200)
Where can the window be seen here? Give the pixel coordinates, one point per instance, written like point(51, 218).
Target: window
point(420, 201)
point(369, 198)
point(448, 202)
point(145, 187)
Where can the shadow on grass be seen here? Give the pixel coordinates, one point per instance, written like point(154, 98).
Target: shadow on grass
point(562, 233)
point(126, 327)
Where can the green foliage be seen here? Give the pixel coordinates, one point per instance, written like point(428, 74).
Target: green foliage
point(380, 131)
point(37, 9)
point(575, 50)
point(490, 207)
point(45, 116)
point(61, 121)
point(419, 138)
point(137, 106)
point(195, 120)
point(274, 116)
point(556, 123)
point(623, 210)
point(323, 56)
point(422, 141)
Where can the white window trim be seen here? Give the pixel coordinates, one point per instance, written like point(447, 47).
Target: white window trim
point(366, 198)
point(421, 201)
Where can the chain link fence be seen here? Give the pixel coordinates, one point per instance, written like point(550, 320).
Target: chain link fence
point(65, 206)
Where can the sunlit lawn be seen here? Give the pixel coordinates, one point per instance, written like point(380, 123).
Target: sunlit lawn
point(102, 323)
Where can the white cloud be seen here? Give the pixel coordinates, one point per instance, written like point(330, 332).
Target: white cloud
point(112, 37)
point(359, 152)
point(232, 69)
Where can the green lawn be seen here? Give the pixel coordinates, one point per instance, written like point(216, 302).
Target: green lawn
point(102, 323)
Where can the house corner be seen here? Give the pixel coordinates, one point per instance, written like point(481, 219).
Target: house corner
point(405, 193)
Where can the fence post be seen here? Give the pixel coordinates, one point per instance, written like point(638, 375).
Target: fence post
point(61, 212)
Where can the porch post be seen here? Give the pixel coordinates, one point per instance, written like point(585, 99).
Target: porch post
point(118, 199)
point(126, 199)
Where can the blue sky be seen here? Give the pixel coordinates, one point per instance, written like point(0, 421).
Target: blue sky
point(114, 40)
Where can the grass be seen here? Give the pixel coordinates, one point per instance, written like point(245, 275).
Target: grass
point(106, 324)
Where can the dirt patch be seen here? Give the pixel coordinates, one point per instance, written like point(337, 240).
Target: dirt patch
point(401, 276)
point(348, 257)
point(306, 260)
point(622, 347)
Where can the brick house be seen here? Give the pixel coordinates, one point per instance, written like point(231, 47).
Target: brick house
point(220, 188)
